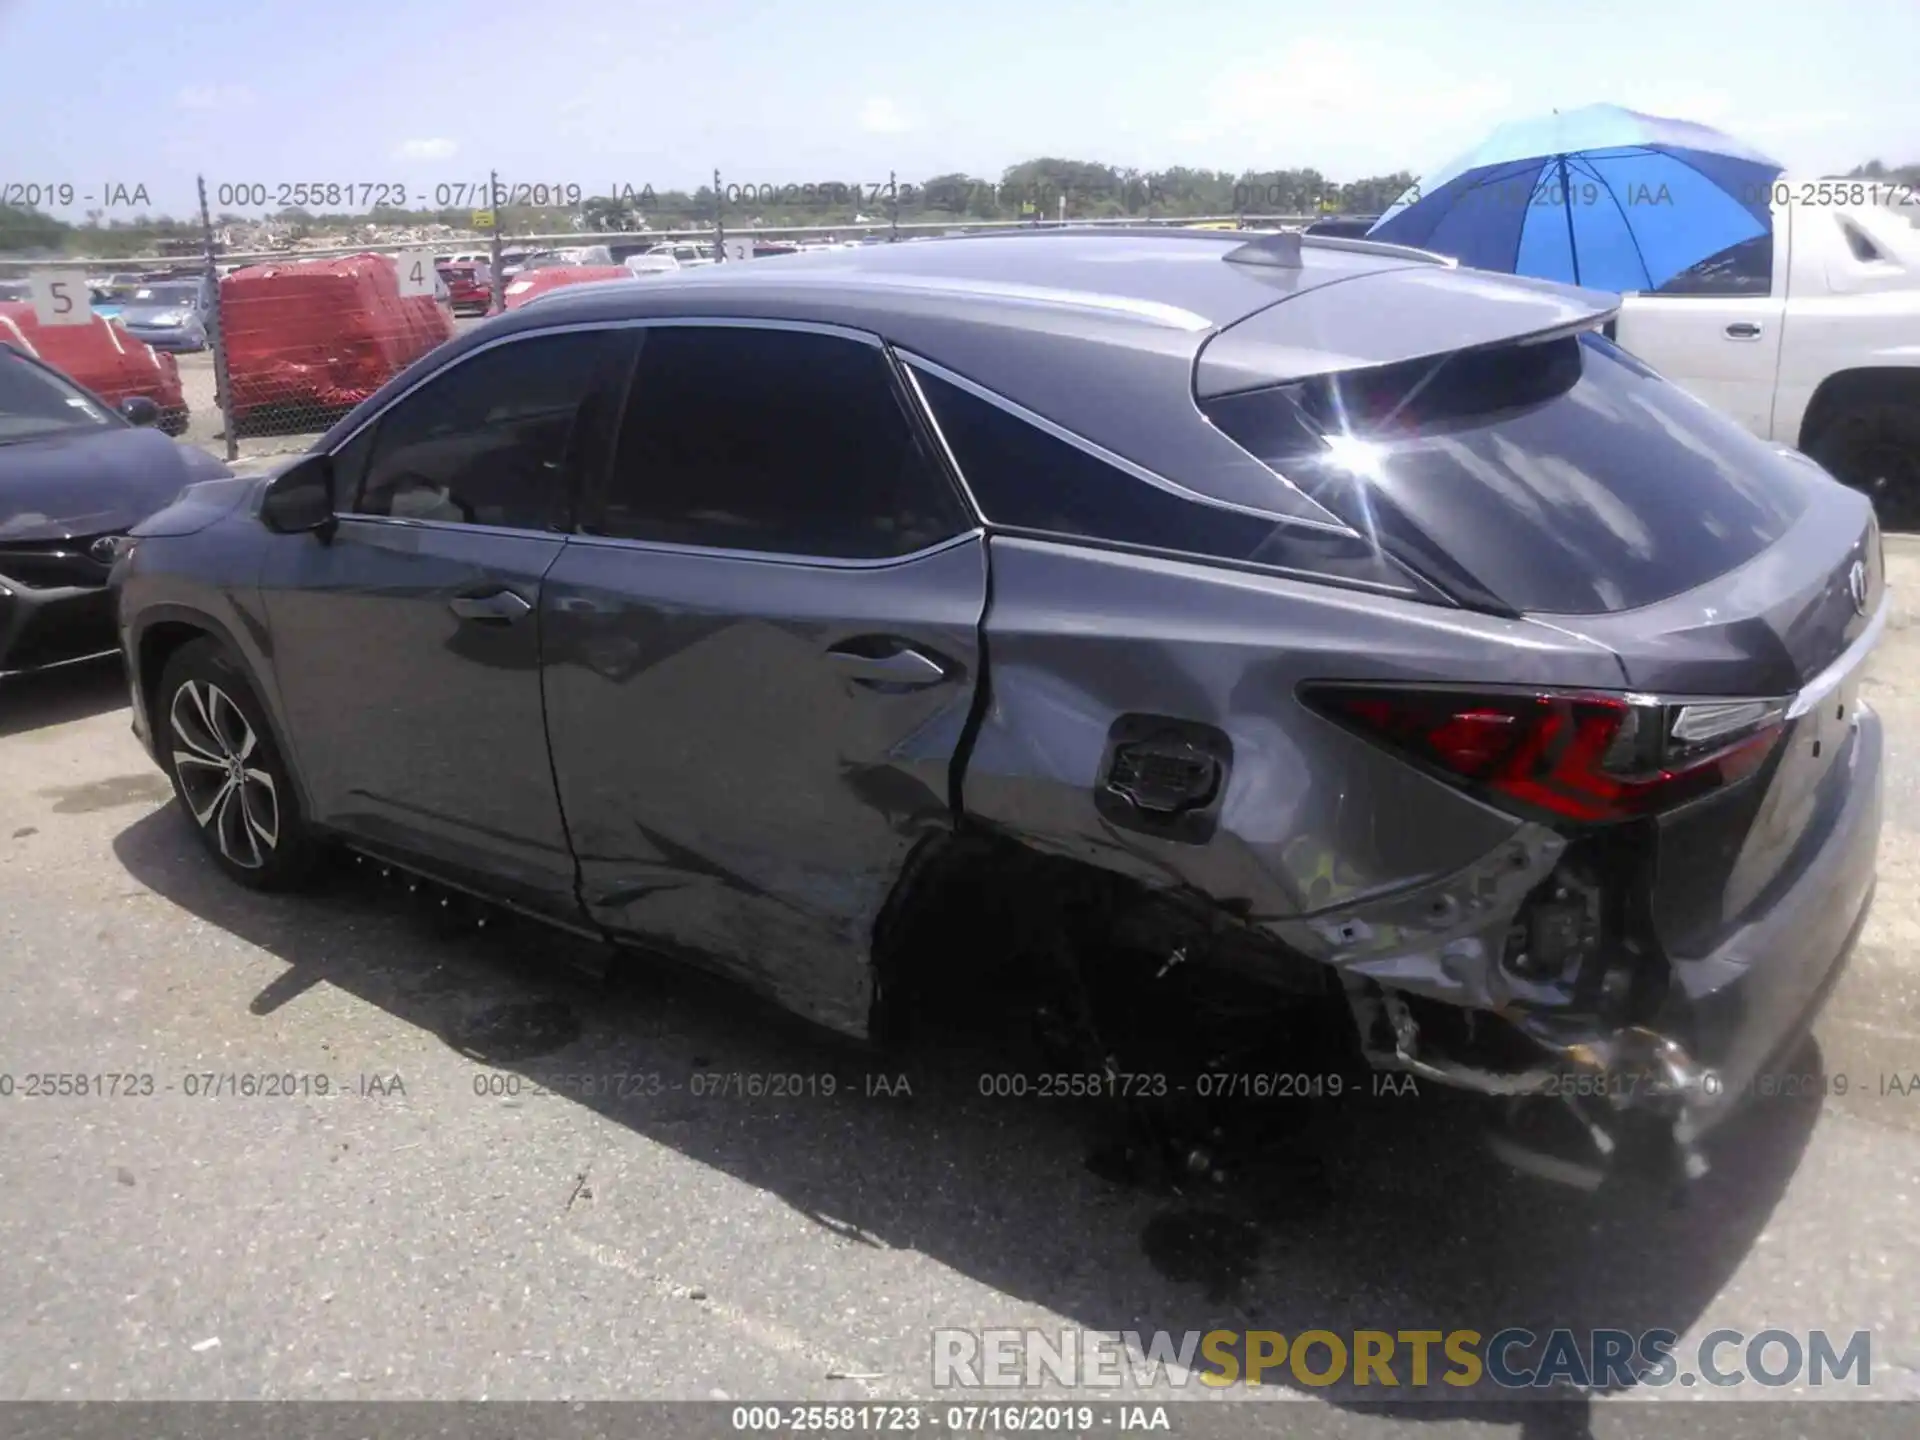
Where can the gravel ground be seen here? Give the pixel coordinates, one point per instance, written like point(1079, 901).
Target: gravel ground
point(430, 1239)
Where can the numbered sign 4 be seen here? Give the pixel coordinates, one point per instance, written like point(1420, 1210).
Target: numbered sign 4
point(60, 297)
point(416, 272)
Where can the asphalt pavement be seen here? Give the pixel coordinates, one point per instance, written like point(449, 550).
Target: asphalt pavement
point(462, 1215)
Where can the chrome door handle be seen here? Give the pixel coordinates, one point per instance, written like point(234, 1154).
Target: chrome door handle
point(502, 607)
point(1743, 330)
point(902, 667)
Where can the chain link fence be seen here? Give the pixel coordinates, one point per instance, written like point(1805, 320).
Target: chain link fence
point(263, 333)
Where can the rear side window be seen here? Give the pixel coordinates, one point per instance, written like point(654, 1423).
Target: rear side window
point(1742, 269)
point(1561, 477)
point(785, 441)
point(1025, 479)
point(1859, 242)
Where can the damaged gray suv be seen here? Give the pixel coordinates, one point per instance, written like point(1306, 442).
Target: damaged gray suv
point(1299, 609)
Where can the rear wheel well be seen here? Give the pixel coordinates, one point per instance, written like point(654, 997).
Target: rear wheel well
point(1849, 390)
point(980, 919)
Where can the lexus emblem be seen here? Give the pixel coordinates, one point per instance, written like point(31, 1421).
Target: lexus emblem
point(1857, 586)
point(105, 549)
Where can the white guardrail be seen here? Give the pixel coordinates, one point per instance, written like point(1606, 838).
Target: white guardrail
point(571, 238)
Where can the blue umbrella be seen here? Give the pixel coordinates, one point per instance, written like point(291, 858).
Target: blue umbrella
point(1601, 196)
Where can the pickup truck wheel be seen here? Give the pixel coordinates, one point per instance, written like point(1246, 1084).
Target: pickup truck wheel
point(1875, 448)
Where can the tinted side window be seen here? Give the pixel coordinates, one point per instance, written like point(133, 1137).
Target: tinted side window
point(1026, 479)
point(1859, 242)
point(1743, 269)
point(496, 439)
point(778, 440)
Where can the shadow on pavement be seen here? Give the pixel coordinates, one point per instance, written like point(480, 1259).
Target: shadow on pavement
point(1389, 1216)
point(79, 690)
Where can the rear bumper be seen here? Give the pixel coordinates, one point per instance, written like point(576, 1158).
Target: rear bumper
point(45, 626)
point(1750, 1002)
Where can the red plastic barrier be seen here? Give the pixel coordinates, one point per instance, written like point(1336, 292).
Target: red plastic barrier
point(322, 334)
point(101, 356)
point(530, 283)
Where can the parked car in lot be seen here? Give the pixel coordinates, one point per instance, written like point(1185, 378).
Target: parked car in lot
point(101, 357)
point(170, 314)
point(532, 260)
point(1031, 610)
point(1350, 226)
point(686, 252)
point(651, 264)
point(1806, 335)
point(112, 292)
point(531, 285)
point(75, 475)
point(305, 338)
point(469, 286)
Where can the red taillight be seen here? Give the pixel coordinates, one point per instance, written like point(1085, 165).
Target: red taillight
point(1586, 758)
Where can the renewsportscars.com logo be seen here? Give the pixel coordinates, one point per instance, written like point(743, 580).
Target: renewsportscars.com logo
point(1509, 1359)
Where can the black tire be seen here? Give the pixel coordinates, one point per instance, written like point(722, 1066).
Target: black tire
point(233, 785)
point(1874, 446)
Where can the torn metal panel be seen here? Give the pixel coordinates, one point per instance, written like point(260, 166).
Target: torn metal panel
point(1443, 940)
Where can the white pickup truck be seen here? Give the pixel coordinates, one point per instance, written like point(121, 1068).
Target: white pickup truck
point(1808, 335)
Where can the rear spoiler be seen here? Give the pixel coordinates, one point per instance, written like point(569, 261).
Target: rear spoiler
point(1418, 312)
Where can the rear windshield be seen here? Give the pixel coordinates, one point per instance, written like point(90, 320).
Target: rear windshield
point(1563, 477)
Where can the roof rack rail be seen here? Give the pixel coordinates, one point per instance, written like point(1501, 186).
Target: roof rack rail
point(1245, 253)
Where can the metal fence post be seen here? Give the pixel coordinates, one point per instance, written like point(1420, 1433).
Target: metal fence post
point(495, 279)
point(719, 220)
point(893, 209)
point(222, 390)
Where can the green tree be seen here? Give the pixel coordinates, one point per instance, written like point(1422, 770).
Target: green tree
point(24, 228)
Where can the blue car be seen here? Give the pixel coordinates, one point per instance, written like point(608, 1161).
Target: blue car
point(170, 314)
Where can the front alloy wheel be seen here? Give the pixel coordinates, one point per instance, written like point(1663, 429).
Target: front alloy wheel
point(227, 771)
point(236, 802)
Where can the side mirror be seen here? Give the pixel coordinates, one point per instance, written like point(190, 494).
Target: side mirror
point(300, 498)
point(139, 410)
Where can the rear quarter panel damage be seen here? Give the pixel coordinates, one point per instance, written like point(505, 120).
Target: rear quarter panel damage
point(1332, 846)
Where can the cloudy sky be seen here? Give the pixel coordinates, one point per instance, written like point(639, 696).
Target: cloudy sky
point(597, 93)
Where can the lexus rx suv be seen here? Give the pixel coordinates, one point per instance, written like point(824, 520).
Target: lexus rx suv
point(1303, 610)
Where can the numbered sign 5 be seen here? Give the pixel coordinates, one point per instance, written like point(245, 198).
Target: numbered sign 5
point(416, 272)
point(60, 297)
